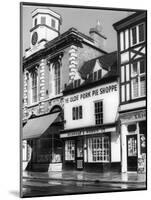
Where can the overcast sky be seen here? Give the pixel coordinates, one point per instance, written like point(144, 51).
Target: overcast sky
point(82, 19)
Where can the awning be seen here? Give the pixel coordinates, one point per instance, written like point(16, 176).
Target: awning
point(37, 126)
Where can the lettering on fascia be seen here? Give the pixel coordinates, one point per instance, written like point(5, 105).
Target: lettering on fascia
point(92, 93)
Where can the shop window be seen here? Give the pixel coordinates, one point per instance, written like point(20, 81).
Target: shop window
point(99, 149)
point(43, 20)
point(57, 77)
point(142, 132)
point(137, 34)
point(99, 112)
point(34, 76)
point(70, 150)
point(138, 79)
point(77, 113)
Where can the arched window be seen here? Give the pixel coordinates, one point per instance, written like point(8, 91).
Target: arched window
point(34, 86)
point(57, 77)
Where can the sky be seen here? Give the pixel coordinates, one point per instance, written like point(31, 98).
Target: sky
point(80, 18)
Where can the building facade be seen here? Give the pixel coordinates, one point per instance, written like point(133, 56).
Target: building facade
point(131, 34)
point(48, 65)
point(91, 134)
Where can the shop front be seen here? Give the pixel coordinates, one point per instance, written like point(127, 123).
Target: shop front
point(92, 149)
point(133, 133)
point(41, 139)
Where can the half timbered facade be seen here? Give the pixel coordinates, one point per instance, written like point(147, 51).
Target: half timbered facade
point(131, 34)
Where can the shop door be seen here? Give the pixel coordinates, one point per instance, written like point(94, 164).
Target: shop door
point(79, 155)
point(132, 152)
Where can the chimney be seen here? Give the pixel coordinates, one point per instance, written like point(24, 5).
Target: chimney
point(98, 36)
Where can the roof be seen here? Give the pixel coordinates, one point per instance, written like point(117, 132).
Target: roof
point(127, 21)
point(63, 40)
point(108, 61)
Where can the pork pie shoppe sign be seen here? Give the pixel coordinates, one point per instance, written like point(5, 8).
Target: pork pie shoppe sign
point(92, 93)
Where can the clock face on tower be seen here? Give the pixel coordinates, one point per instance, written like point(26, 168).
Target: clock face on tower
point(34, 38)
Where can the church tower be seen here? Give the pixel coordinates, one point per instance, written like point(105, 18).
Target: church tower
point(45, 27)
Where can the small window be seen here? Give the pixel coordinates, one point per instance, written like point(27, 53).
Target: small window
point(53, 23)
point(138, 34)
point(77, 113)
point(97, 75)
point(43, 20)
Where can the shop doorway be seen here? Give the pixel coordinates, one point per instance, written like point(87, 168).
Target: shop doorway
point(132, 152)
point(79, 154)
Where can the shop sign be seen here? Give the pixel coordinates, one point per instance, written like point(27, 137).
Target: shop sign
point(135, 116)
point(87, 132)
point(92, 93)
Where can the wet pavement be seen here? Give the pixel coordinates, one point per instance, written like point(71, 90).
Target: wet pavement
point(43, 187)
point(132, 177)
point(78, 182)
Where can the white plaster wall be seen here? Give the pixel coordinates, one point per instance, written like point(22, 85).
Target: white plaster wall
point(110, 107)
point(115, 147)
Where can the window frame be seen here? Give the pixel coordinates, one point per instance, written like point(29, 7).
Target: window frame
point(99, 115)
point(98, 150)
point(43, 18)
point(138, 77)
point(34, 86)
point(77, 112)
point(137, 34)
point(57, 77)
point(70, 150)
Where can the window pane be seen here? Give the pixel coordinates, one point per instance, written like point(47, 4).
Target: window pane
point(99, 74)
point(73, 113)
point(127, 92)
point(35, 21)
point(126, 39)
point(134, 39)
point(135, 87)
point(53, 23)
point(141, 33)
point(127, 73)
point(43, 20)
point(123, 93)
point(95, 76)
point(122, 41)
point(142, 86)
point(134, 69)
point(80, 112)
point(122, 74)
point(142, 66)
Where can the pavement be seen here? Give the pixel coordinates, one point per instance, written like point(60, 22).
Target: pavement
point(83, 176)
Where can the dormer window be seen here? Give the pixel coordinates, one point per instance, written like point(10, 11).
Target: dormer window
point(97, 75)
point(43, 20)
point(76, 83)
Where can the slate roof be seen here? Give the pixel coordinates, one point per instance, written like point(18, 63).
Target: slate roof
point(108, 62)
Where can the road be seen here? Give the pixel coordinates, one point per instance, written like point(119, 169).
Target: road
point(42, 187)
